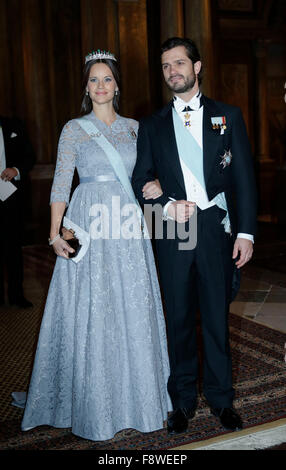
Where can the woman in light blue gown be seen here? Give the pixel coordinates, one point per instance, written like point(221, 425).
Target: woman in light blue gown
point(101, 363)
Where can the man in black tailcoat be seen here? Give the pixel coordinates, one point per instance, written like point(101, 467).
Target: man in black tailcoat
point(16, 160)
point(199, 150)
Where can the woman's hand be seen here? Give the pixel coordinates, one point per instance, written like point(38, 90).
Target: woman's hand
point(62, 248)
point(152, 190)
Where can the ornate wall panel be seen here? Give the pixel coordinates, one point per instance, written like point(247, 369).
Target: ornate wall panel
point(42, 49)
point(236, 5)
point(234, 84)
point(99, 28)
point(133, 49)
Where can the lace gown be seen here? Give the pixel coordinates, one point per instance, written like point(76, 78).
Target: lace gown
point(101, 363)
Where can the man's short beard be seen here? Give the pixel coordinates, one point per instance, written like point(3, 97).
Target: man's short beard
point(188, 85)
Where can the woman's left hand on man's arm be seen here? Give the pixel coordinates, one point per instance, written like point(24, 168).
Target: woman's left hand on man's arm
point(152, 190)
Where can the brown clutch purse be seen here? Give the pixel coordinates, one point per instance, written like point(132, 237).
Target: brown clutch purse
point(69, 236)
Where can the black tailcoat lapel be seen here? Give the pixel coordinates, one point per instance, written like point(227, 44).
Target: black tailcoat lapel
point(210, 136)
point(4, 124)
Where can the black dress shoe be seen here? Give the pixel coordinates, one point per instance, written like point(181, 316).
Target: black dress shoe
point(21, 302)
point(228, 418)
point(178, 420)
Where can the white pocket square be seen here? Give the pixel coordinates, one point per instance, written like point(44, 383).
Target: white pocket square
point(13, 135)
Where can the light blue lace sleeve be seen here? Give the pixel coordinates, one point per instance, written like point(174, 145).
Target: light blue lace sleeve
point(65, 166)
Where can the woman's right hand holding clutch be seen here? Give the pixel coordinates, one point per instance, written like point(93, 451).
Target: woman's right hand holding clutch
point(62, 248)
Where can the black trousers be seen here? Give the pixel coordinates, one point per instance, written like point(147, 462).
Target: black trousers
point(199, 278)
point(11, 259)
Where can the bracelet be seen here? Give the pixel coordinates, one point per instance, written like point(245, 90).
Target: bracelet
point(51, 242)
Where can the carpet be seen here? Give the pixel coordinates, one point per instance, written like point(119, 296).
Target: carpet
point(259, 375)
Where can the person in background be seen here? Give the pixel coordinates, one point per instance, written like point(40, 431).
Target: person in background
point(16, 160)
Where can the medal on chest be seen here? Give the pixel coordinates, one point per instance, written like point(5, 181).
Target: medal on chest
point(187, 122)
point(219, 122)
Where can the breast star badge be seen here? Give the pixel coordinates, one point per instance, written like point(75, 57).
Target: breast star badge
point(226, 158)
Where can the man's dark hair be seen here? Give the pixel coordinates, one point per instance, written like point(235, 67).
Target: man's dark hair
point(191, 48)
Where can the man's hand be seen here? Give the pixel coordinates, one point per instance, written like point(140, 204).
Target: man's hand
point(8, 174)
point(181, 210)
point(152, 190)
point(245, 248)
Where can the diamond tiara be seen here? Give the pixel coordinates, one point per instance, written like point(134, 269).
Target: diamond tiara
point(99, 55)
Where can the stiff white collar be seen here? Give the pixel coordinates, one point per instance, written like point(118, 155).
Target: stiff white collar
point(194, 103)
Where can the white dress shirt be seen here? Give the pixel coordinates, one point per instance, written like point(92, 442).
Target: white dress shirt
point(3, 156)
point(195, 192)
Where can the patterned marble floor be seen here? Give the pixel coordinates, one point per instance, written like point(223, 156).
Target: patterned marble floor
point(261, 301)
point(262, 294)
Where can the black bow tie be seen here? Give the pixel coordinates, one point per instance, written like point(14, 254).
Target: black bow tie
point(187, 108)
